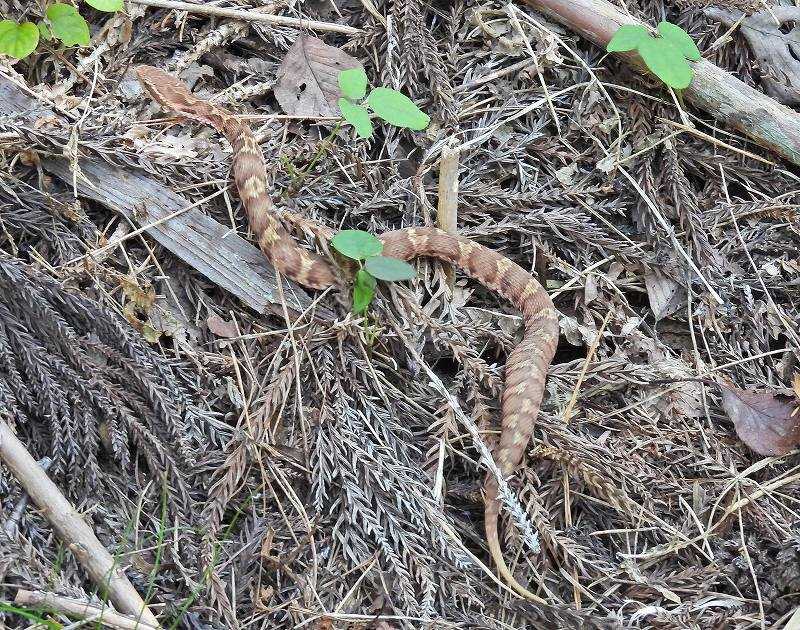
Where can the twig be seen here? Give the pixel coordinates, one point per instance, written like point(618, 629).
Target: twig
point(71, 528)
point(250, 16)
point(80, 609)
point(491, 76)
point(589, 356)
point(713, 140)
point(447, 210)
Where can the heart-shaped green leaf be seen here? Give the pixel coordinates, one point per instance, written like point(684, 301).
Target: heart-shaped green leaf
point(18, 40)
point(679, 38)
point(397, 109)
point(44, 31)
point(363, 291)
point(389, 269)
point(628, 37)
point(666, 62)
point(356, 116)
point(356, 244)
point(67, 24)
point(106, 5)
point(353, 83)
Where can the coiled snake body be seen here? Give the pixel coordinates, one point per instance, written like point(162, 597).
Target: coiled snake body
point(526, 368)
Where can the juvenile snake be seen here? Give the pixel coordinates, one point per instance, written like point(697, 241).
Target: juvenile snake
point(526, 368)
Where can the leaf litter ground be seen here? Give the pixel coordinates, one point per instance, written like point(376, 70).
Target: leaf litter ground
point(323, 479)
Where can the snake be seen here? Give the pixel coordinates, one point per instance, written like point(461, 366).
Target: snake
point(527, 364)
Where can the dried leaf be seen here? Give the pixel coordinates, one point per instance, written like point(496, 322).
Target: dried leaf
point(766, 423)
point(222, 328)
point(775, 46)
point(150, 334)
point(143, 299)
point(666, 296)
point(308, 78)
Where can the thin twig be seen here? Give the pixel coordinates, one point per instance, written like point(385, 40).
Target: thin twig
point(71, 528)
point(76, 608)
point(447, 209)
point(250, 16)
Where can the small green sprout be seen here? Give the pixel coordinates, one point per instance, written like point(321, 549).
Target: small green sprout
point(61, 21)
point(366, 249)
point(390, 105)
point(665, 56)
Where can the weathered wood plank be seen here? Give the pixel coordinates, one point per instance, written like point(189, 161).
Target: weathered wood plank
point(226, 259)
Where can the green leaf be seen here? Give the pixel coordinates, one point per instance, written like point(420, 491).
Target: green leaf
point(44, 31)
point(389, 269)
point(356, 244)
point(18, 40)
point(363, 291)
point(356, 116)
point(353, 83)
point(628, 37)
point(679, 38)
point(67, 24)
point(108, 6)
point(397, 109)
point(666, 62)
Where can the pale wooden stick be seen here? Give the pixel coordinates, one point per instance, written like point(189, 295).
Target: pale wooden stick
point(250, 16)
point(78, 609)
point(447, 210)
point(71, 528)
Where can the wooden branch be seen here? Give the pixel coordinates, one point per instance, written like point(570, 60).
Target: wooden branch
point(211, 248)
point(447, 210)
point(78, 609)
point(714, 90)
point(77, 536)
point(251, 16)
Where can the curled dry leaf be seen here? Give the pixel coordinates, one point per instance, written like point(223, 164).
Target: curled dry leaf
point(768, 424)
point(308, 78)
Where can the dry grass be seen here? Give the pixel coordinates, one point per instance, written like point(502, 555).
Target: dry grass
point(320, 473)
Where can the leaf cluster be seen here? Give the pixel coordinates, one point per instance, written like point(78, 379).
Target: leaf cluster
point(390, 105)
point(61, 21)
point(665, 56)
point(366, 249)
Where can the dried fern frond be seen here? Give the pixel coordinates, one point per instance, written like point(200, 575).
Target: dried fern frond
point(71, 371)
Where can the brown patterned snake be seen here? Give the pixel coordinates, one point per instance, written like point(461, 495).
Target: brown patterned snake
point(526, 368)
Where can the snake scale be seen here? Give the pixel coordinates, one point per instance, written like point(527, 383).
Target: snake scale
point(527, 365)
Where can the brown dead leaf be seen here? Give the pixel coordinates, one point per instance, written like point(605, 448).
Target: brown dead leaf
point(776, 46)
point(222, 328)
point(768, 424)
point(142, 298)
point(308, 77)
point(666, 296)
